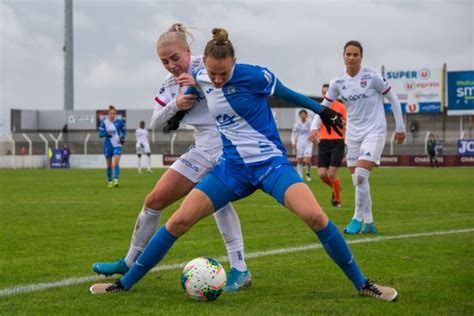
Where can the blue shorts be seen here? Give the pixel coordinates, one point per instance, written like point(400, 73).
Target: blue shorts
point(228, 182)
point(110, 151)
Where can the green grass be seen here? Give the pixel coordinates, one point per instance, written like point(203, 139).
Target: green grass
point(55, 223)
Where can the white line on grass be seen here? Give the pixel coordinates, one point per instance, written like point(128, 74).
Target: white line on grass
point(72, 281)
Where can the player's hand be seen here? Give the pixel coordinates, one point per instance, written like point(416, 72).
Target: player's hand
point(122, 140)
point(332, 120)
point(400, 137)
point(186, 80)
point(186, 101)
point(109, 135)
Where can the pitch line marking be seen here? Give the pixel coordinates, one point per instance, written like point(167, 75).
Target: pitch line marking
point(73, 281)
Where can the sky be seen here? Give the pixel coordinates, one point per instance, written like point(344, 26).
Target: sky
point(300, 41)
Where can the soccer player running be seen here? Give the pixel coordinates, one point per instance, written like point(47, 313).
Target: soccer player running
point(304, 147)
point(114, 133)
point(330, 150)
point(253, 158)
point(175, 55)
point(363, 90)
point(143, 146)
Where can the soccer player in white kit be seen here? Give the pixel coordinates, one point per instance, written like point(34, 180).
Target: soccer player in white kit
point(304, 147)
point(175, 55)
point(363, 91)
point(143, 146)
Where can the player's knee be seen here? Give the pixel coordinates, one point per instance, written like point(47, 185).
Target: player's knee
point(322, 174)
point(317, 220)
point(178, 225)
point(155, 201)
point(360, 176)
point(331, 175)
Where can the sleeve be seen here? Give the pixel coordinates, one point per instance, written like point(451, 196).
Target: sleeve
point(263, 81)
point(123, 130)
point(295, 98)
point(294, 135)
point(136, 134)
point(381, 84)
point(316, 123)
point(102, 131)
point(331, 95)
point(397, 111)
point(165, 108)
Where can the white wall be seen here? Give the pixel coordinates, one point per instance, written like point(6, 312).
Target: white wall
point(77, 161)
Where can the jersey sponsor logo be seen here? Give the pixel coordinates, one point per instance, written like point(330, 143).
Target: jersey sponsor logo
point(356, 97)
point(225, 120)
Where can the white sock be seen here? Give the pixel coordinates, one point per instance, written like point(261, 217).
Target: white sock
point(229, 227)
point(149, 162)
point(299, 169)
point(363, 199)
point(139, 163)
point(145, 227)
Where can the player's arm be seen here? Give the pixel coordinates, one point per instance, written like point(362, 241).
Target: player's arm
point(314, 133)
point(330, 118)
point(384, 87)
point(102, 131)
point(294, 136)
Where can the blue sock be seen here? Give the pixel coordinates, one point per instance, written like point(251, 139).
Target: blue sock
point(109, 173)
point(337, 249)
point(154, 251)
point(117, 171)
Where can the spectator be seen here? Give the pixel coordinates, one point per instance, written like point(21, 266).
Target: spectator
point(65, 153)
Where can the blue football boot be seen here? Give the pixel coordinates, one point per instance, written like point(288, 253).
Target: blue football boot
point(237, 279)
point(353, 227)
point(368, 229)
point(109, 268)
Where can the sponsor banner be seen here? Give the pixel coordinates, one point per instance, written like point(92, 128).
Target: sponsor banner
point(460, 92)
point(168, 160)
point(80, 119)
point(102, 114)
point(466, 147)
point(418, 90)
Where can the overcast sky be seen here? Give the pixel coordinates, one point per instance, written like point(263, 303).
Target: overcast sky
point(301, 41)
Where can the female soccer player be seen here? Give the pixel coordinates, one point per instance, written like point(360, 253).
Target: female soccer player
point(253, 158)
point(114, 132)
point(175, 55)
point(143, 146)
point(304, 147)
point(363, 91)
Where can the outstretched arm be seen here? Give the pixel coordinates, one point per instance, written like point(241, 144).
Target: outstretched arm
point(330, 118)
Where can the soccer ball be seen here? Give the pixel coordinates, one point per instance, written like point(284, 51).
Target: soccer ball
point(203, 279)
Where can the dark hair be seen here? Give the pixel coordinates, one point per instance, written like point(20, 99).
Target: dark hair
point(112, 108)
point(219, 47)
point(326, 85)
point(303, 111)
point(356, 44)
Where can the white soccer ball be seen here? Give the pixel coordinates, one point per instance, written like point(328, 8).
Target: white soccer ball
point(203, 279)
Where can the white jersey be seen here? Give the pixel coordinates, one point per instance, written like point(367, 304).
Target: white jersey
point(111, 129)
point(141, 135)
point(363, 96)
point(205, 131)
point(300, 133)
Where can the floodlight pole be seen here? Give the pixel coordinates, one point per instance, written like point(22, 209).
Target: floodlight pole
point(68, 57)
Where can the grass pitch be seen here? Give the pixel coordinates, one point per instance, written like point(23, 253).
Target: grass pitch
point(55, 223)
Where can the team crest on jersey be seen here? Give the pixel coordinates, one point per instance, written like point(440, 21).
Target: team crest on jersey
point(363, 83)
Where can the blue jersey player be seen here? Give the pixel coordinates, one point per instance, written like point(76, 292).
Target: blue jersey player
point(114, 133)
point(253, 158)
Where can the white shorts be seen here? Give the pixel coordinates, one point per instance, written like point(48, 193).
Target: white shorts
point(196, 163)
point(370, 148)
point(143, 148)
point(304, 150)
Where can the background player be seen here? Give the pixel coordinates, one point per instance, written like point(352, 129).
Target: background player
point(143, 146)
point(113, 130)
point(431, 149)
point(253, 158)
point(175, 55)
point(330, 150)
point(363, 90)
point(304, 147)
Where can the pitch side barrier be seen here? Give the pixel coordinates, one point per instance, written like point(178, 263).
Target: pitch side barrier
point(387, 161)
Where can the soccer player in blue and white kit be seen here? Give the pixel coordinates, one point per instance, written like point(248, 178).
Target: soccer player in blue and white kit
point(113, 131)
point(304, 147)
point(171, 103)
point(253, 158)
point(363, 91)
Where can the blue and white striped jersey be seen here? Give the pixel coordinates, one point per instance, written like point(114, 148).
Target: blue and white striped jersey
point(243, 115)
